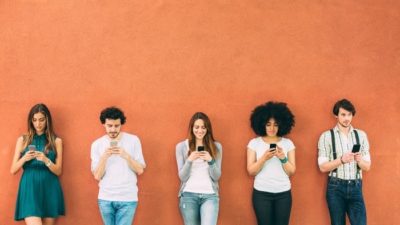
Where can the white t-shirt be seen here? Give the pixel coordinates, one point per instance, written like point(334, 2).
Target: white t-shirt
point(119, 182)
point(272, 177)
point(199, 180)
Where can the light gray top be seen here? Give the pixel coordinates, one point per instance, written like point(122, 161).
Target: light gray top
point(184, 165)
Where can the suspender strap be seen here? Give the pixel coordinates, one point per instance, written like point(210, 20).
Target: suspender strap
point(334, 172)
point(357, 138)
point(358, 142)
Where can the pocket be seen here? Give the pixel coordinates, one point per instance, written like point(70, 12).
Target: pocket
point(332, 186)
point(105, 207)
point(102, 202)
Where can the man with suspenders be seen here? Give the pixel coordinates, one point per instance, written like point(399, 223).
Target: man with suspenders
point(338, 155)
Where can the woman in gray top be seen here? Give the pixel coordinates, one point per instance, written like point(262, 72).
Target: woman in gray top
point(199, 169)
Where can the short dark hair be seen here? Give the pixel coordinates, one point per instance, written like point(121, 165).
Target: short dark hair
point(345, 104)
point(277, 110)
point(113, 113)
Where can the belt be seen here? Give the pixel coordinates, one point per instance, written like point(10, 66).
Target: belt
point(342, 181)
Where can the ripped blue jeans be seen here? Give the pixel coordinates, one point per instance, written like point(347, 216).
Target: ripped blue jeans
point(116, 212)
point(199, 209)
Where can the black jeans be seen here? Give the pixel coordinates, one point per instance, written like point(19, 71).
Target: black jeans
point(345, 196)
point(272, 208)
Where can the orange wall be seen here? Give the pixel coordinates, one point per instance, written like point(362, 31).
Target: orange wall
point(161, 61)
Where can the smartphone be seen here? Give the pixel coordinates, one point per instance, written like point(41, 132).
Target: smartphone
point(272, 146)
point(32, 147)
point(200, 148)
point(356, 148)
point(113, 143)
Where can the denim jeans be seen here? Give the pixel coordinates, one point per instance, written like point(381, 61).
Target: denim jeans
point(116, 212)
point(344, 196)
point(199, 209)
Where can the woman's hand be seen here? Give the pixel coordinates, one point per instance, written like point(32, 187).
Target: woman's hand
point(279, 153)
point(41, 156)
point(269, 154)
point(29, 155)
point(204, 155)
point(193, 156)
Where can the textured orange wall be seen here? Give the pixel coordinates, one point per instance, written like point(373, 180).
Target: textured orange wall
point(161, 61)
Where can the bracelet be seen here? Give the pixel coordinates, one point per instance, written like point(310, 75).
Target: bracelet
point(283, 161)
point(341, 160)
point(48, 164)
point(211, 162)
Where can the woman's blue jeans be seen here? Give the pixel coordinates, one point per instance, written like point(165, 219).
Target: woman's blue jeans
point(199, 209)
point(116, 212)
point(345, 196)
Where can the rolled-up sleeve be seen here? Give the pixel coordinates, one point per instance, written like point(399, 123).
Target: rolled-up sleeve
point(365, 147)
point(324, 148)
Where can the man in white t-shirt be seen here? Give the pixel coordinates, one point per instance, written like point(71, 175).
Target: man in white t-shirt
point(117, 159)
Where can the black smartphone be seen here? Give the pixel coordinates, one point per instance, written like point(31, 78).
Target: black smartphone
point(356, 148)
point(272, 146)
point(200, 148)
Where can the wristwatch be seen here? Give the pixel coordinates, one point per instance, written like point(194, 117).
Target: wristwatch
point(48, 163)
point(283, 161)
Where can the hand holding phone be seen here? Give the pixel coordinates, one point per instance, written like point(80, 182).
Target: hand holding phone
point(356, 148)
point(30, 154)
point(113, 143)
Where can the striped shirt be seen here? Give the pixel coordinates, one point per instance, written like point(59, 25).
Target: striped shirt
point(344, 144)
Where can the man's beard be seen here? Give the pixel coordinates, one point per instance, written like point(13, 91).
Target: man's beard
point(113, 134)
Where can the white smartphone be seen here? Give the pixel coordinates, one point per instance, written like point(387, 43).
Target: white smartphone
point(113, 143)
point(32, 147)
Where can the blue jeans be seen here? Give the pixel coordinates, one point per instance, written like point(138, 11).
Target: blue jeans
point(344, 196)
point(116, 212)
point(199, 209)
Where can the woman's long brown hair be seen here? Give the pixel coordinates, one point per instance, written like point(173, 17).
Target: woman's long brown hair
point(49, 132)
point(208, 139)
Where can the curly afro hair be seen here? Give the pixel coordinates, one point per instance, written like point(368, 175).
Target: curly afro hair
point(277, 110)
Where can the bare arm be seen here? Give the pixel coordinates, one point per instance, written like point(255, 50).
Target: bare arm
point(19, 161)
point(364, 165)
point(253, 165)
point(290, 165)
point(99, 171)
point(331, 165)
point(56, 167)
point(135, 166)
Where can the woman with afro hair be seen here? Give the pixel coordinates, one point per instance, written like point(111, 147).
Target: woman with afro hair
point(271, 160)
